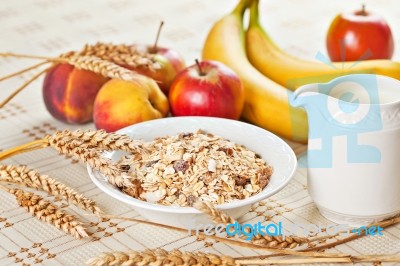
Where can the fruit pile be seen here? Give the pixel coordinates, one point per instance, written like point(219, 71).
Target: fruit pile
point(269, 74)
point(119, 85)
point(244, 75)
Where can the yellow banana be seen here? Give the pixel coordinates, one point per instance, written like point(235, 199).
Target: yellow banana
point(293, 72)
point(266, 103)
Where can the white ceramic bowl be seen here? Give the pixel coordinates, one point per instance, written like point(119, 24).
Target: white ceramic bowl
point(270, 147)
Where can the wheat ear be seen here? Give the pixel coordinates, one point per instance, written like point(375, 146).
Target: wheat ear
point(102, 67)
point(32, 179)
point(120, 54)
point(215, 215)
point(161, 257)
point(90, 63)
point(267, 240)
point(94, 159)
point(116, 174)
point(47, 212)
point(101, 140)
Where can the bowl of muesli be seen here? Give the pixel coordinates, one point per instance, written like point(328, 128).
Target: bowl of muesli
point(180, 160)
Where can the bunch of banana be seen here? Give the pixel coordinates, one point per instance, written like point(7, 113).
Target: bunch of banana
point(292, 72)
point(267, 103)
point(269, 74)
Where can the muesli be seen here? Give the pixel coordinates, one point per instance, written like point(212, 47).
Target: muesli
point(178, 170)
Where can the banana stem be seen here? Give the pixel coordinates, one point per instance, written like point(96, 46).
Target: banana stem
point(241, 7)
point(34, 145)
point(254, 21)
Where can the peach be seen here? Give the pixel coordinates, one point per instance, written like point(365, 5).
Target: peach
point(69, 93)
point(122, 103)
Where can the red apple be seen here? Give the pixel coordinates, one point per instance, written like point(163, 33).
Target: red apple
point(208, 88)
point(171, 63)
point(359, 35)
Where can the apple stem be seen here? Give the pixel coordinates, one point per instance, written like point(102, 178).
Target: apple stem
point(198, 65)
point(158, 36)
point(363, 10)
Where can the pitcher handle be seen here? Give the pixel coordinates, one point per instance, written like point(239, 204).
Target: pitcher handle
point(299, 96)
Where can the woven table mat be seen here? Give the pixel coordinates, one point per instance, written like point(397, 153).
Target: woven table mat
point(51, 27)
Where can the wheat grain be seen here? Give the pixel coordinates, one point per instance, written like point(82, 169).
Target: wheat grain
point(47, 212)
point(31, 178)
point(160, 257)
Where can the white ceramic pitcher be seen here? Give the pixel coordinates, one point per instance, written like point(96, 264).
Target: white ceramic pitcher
point(354, 147)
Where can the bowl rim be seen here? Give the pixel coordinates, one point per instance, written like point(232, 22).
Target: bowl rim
point(103, 185)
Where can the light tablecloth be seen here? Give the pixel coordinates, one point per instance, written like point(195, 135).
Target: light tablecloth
point(50, 27)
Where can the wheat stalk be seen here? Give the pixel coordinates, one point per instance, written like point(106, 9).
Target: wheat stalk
point(102, 67)
point(103, 59)
point(93, 157)
point(47, 212)
point(270, 241)
point(160, 257)
point(23, 70)
point(96, 161)
point(354, 236)
point(257, 260)
point(32, 179)
point(176, 257)
point(23, 86)
point(101, 140)
point(121, 54)
point(115, 173)
point(230, 241)
point(298, 261)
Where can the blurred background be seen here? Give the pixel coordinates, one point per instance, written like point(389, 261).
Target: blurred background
point(50, 27)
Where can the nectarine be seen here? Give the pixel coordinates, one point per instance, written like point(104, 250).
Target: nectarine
point(122, 103)
point(69, 93)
